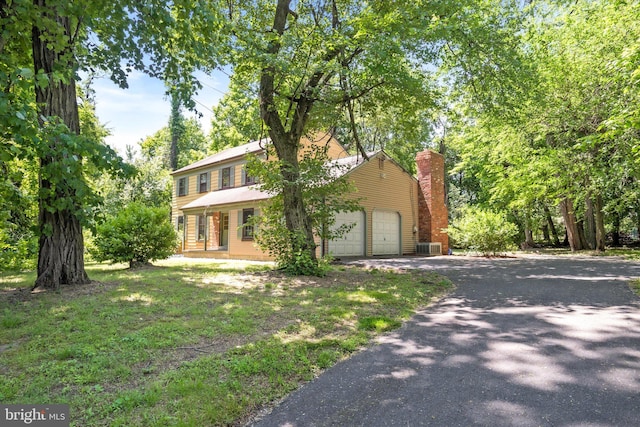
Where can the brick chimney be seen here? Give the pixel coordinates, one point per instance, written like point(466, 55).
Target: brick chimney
point(432, 211)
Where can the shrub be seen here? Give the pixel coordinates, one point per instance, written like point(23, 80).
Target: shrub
point(137, 235)
point(484, 231)
point(18, 249)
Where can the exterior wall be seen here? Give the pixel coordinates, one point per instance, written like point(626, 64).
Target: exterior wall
point(214, 175)
point(335, 150)
point(432, 207)
point(239, 248)
point(212, 239)
point(381, 185)
point(388, 188)
point(236, 247)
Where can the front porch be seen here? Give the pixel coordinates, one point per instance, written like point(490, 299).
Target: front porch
point(206, 232)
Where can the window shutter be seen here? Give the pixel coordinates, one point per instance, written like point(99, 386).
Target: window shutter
point(219, 179)
point(232, 177)
point(256, 229)
point(208, 181)
point(186, 186)
point(243, 177)
point(240, 227)
point(185, 234)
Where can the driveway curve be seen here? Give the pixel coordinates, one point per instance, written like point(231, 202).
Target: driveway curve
point(533, 341)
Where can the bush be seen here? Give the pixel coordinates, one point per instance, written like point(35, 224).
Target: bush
point(18, 250)
point(137, 235)
point(484, 231)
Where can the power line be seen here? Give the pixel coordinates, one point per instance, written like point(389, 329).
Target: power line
point(203, 105)
point(212, 88)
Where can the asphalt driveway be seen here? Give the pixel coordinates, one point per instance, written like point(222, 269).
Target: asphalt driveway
point(538, 341)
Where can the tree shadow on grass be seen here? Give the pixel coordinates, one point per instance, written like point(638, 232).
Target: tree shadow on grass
point(519, 343)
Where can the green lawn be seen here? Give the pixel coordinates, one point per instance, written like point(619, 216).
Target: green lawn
point(190, 343)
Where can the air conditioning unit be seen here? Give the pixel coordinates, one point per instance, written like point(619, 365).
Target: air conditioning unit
point(429, 249)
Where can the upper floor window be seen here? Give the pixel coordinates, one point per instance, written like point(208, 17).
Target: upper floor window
point(248, 179)
point(203, 183)
point(183, 186)
point(226, 178)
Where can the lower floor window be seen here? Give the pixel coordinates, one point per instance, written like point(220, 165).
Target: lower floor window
point(247, 227)
point(202, 227)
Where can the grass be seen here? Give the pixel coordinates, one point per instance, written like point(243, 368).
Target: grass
point(190, 344)
point(635, 286)
point(630, 253)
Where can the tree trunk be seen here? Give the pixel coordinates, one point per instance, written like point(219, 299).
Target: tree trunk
point(552, 226)
point(615, 234)
point(581, 235)
point(571, 224)
point(638, 221)
point(600, 231)
point(528, 238)
point(590, 224)
point(295, 214)
point(528, 232)
point(61, 245)
point(545, 234)
point(286, 142)
point(175, 128)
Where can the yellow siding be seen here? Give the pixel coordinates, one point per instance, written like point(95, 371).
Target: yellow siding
point(239, 248)
point(392, 189)
point(389, 188)
point(335, 149)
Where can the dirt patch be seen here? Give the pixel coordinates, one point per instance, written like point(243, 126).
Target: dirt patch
point(19, 295)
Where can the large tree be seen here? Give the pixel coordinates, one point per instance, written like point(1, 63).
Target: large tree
point(39, 101)
point(311, 61)
point(556, 134)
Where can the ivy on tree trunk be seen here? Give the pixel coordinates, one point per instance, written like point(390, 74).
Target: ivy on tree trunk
point(61, 254)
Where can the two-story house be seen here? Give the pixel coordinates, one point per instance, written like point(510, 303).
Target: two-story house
point(214, 197)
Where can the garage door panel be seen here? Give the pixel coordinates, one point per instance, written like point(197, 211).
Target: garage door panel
point(352, 242)
point(386, 233)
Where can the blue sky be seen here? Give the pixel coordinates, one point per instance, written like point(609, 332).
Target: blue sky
point(133, 114)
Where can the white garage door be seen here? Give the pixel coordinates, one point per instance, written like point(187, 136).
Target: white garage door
point(351, 243)
point(386, 233)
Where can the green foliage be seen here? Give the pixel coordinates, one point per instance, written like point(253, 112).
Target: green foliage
point(137, 234)
point(484, 231)
point(152, 183)
point(325, 192)
point(18, 249)
point(236, 118)
point(192, 144)
point(557, 121)
point(18, 211)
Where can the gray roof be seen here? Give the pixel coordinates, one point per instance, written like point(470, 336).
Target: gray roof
point(228, 154)
point(228, 196)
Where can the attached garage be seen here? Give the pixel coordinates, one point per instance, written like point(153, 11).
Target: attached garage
point(353, 242)
point(385, 230)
